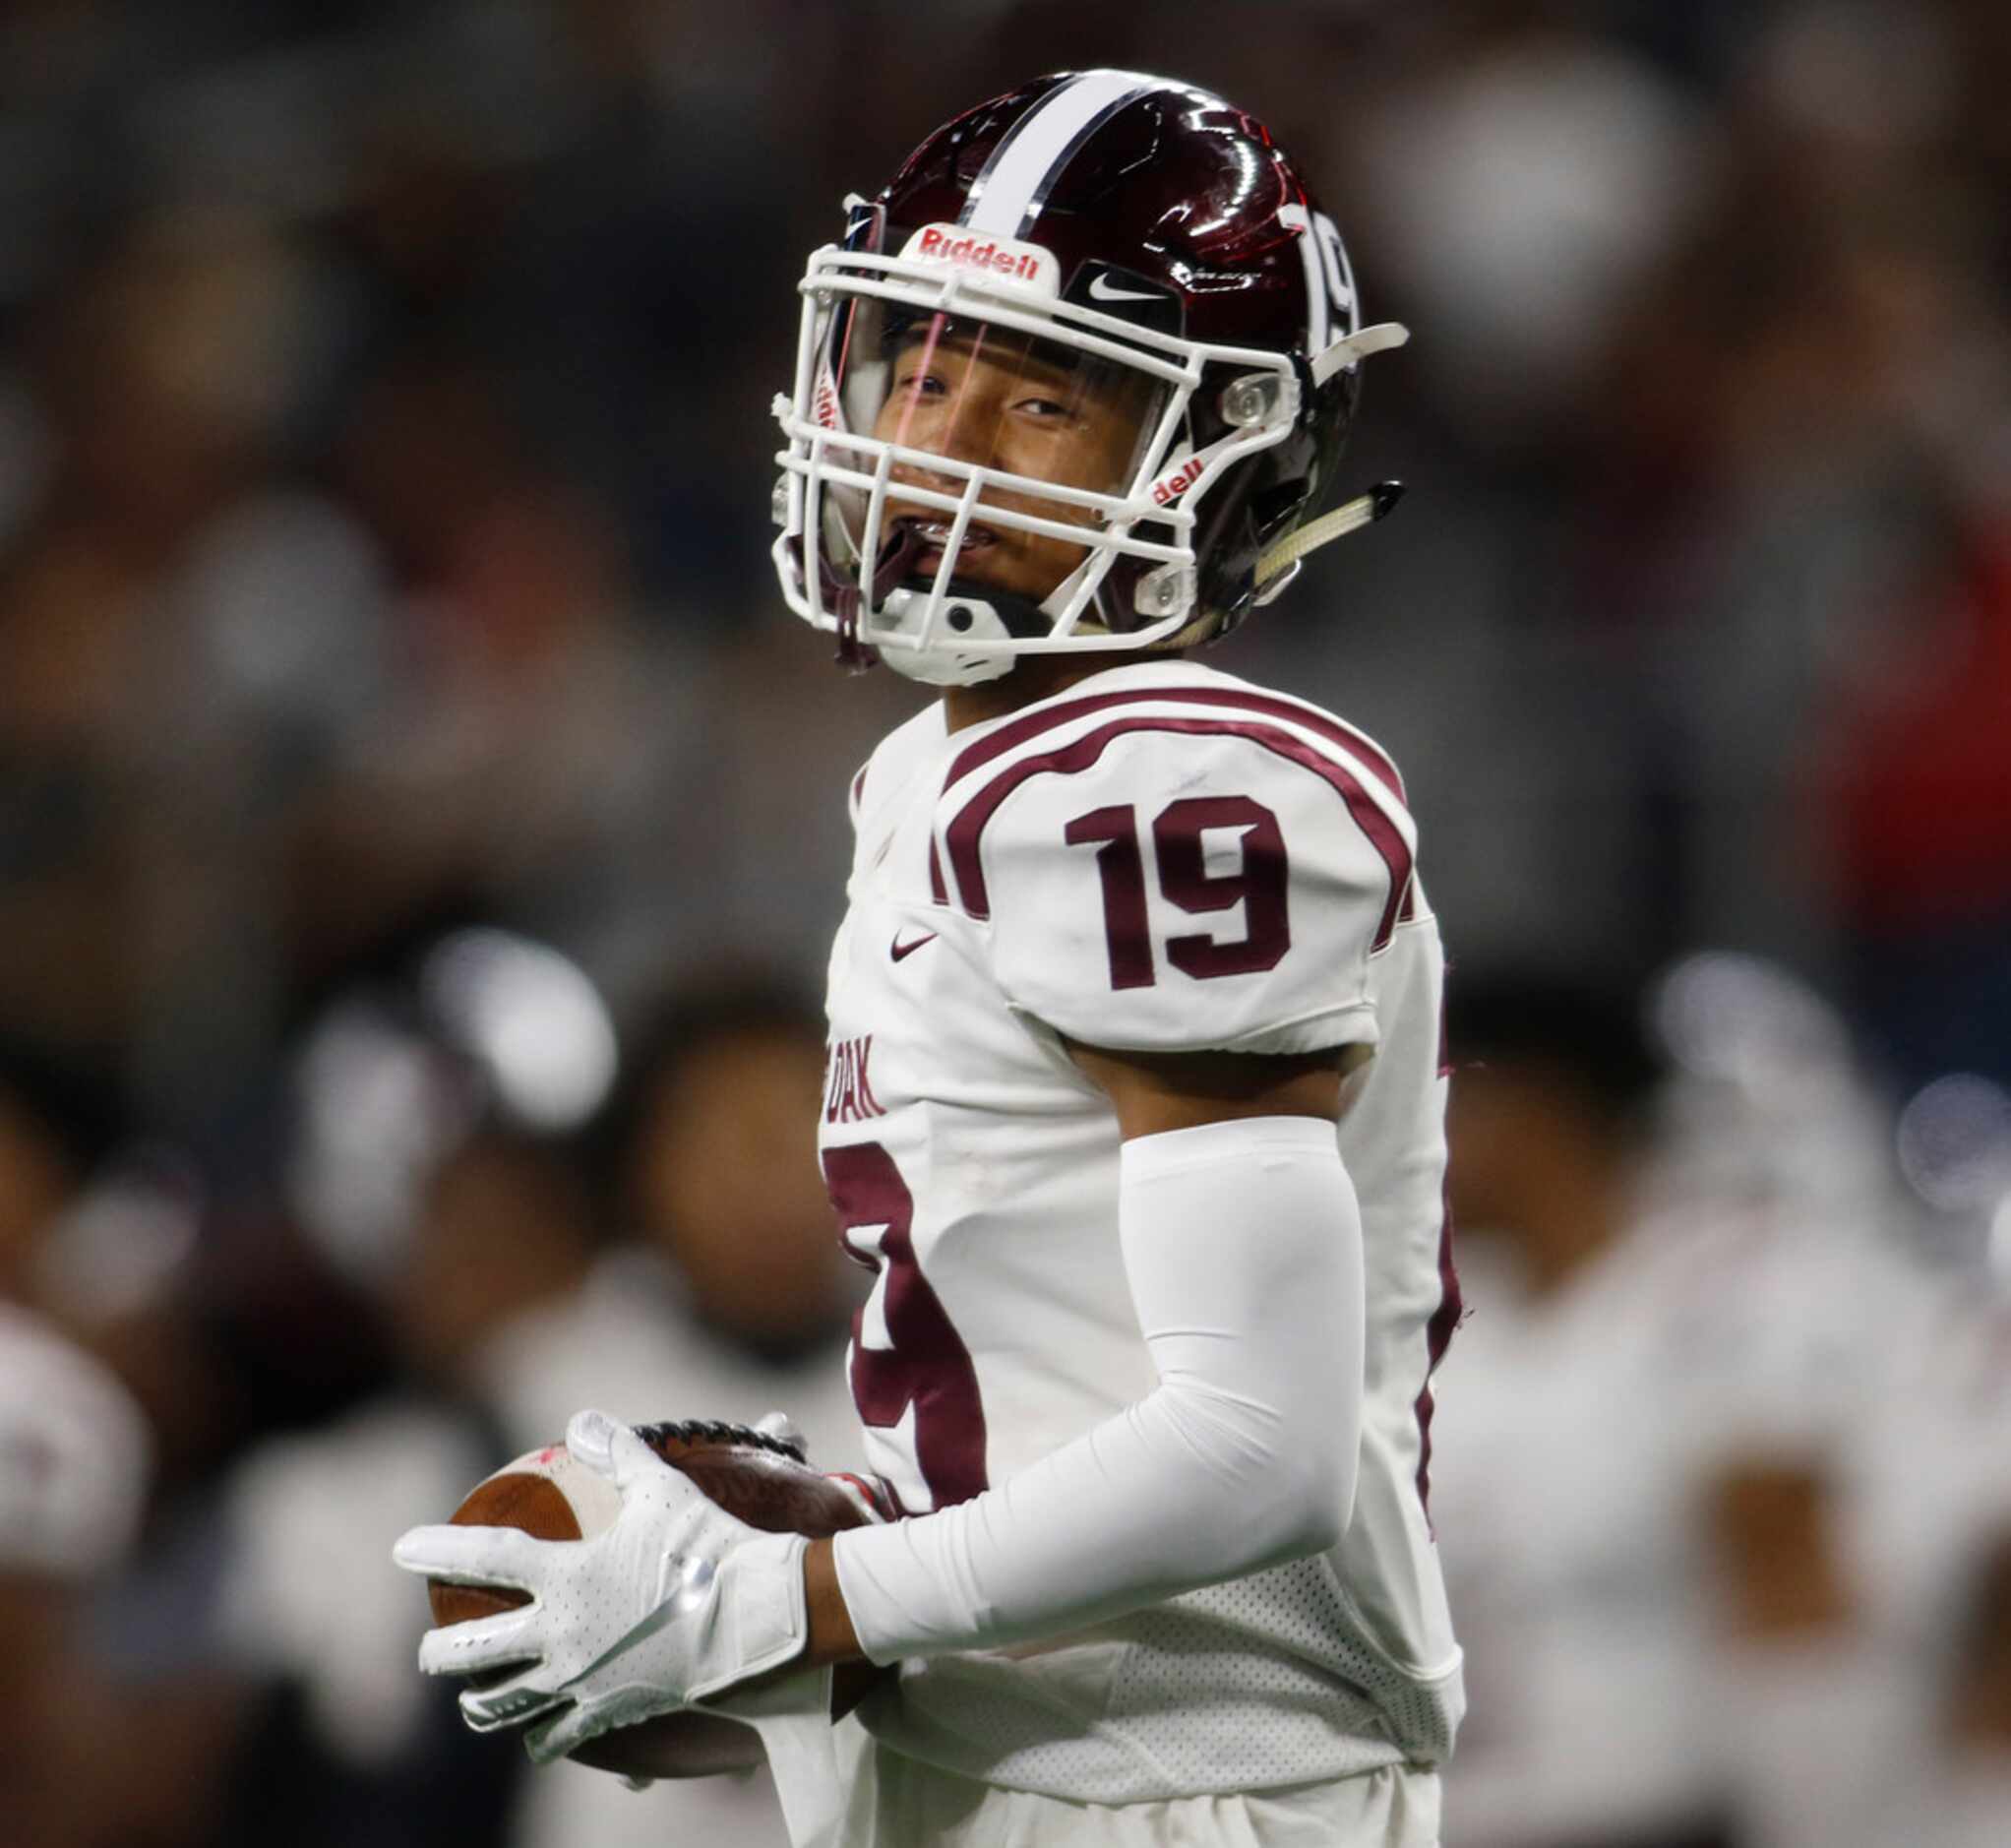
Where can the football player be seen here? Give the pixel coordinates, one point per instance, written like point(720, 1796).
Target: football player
point(1136, 1101)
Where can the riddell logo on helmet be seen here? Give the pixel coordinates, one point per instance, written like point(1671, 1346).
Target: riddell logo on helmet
point(1172, 487)
point(1026, 265)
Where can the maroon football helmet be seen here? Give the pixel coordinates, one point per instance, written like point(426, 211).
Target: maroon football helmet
point(1127, 261)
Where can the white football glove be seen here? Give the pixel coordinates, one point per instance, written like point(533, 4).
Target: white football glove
point(677, 1601)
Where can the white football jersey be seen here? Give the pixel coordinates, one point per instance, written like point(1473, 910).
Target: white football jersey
point(1162, 857)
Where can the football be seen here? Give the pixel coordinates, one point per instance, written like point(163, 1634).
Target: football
point(761, 1479)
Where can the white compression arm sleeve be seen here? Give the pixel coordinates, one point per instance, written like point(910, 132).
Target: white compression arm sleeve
point(1242, 1246)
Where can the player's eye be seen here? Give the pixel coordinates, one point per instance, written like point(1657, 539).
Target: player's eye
point(919, 385)
point(1045, 407)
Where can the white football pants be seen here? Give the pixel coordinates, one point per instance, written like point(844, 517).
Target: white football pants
point(898, 1801)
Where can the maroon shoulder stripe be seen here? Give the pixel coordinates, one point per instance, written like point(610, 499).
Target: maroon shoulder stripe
point(859, 783)
point(1032, 724)
point(966, 830)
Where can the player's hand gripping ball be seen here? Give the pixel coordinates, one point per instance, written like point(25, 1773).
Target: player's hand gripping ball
point(756, 1475)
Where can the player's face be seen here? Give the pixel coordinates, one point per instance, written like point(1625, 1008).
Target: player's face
point(1021, 405)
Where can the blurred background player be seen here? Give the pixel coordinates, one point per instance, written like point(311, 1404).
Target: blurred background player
point(527, 1264)
point(75, 1456)
point(1559, 1466)
point(1699, 1397)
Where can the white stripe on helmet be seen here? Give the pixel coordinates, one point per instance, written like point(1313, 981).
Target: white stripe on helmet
point(1008, 195)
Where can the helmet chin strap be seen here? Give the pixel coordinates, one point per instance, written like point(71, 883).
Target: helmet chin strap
point(971, 611)
point(846, 597)
point(976, 612)
point(1280, 565)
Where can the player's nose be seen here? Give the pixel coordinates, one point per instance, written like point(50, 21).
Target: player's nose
point(911, 474)
point(949, 430)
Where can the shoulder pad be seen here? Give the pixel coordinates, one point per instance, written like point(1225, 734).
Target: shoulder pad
point(1172, 868)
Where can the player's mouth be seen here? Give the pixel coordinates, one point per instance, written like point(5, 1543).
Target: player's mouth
point(976, 555)
point(934, 536)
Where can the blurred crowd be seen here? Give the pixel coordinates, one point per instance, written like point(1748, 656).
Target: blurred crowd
point(420, 830)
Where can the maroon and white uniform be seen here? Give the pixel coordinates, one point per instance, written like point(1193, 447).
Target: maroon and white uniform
point(1161, 858)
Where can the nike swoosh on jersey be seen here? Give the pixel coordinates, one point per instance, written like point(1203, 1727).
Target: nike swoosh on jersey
point(1100, 289)
point(897, 949)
